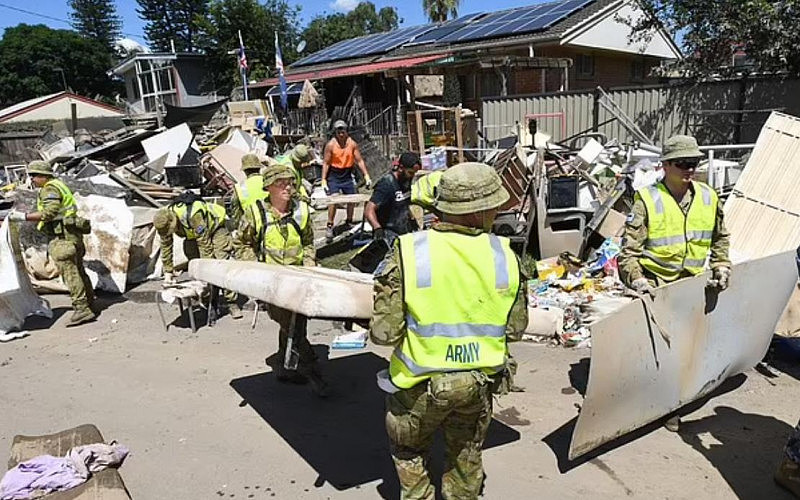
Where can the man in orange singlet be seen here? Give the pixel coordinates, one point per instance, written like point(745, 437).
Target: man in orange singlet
point(341, 155)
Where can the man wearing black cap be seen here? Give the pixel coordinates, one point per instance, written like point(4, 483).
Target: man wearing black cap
point(388, 209)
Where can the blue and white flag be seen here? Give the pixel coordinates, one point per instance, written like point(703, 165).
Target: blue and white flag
point(281, 78)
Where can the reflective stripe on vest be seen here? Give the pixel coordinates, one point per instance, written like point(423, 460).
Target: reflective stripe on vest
point(423, 192)
point(273, 247)
point(250, 190)
point(69, 208)
point(213, 214)
point(677, 242)
point(458, 293)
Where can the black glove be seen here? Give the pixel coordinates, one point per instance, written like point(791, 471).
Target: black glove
point(378, 234)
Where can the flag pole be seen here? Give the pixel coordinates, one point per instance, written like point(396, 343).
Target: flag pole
point(242, 68)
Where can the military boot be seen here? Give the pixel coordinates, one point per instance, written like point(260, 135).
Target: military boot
point(788, 476)
point(235, 311)
point(81, 316)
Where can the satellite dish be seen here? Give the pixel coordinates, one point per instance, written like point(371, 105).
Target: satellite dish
point(301, 46)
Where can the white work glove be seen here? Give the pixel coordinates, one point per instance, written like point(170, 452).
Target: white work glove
point(367, 182)
point(169, 279)
point(16, 216)
point(721, 277)
point(642, 286)
point(325, 187)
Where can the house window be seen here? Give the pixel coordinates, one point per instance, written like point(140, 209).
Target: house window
point(637, 70)
point(584, 68)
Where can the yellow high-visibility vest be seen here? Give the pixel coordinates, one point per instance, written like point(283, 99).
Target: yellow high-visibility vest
point(458, 291)
point(423, 192)
point(677, 242)
point(213, 214)
point(68, 206)
point(249, 191)
point(273, 247)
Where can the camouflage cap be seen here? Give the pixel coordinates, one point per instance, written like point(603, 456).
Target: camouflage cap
point(680, 146)
point(470, 187)
point(250, 162)
point(301, 154)
point(40, 167)
point(165, 221)
point(277, 171)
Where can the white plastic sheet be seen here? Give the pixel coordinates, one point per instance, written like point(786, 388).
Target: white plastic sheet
point(17, 298)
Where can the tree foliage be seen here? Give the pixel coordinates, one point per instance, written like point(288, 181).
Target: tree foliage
point(175, 21)
point(713, 30)
point(31, 55)
point(324, 31)
point(96, 19)
point(439, 11)
point(258, 23)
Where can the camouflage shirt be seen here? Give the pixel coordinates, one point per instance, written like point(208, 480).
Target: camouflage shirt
point(50, 198)
point(636, 236)
point(205, 242)
point(388, 324)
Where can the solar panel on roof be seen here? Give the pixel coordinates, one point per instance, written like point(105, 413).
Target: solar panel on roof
point(516, 21)
point(446, 28)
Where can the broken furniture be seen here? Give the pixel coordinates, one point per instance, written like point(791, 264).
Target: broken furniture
point(187, 294)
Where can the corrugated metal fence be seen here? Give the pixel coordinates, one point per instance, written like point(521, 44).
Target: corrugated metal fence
point(720, 112)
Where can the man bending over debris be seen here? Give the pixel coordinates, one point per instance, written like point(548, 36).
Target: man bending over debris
point(673, 227)
point(202, 225)
point(448, 299)
point(278, 230)
point(57, 215)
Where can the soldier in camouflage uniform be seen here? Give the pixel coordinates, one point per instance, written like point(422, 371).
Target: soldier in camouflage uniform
point(674, 227)
point(202, 227)
point(278, 230)
point(448, 299)
point(57, 215)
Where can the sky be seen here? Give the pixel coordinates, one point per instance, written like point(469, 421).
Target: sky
point(55, 13)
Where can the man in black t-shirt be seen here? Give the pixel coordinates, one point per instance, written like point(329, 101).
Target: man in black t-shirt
point(388, 209)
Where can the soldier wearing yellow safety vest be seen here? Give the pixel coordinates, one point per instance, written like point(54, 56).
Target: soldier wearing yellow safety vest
point(202, 226)
point(252, 189)
point(423, 190)
point(674, 227)
point(57, 215)
point(297, 158)
point(278, 230)
point(448, 299)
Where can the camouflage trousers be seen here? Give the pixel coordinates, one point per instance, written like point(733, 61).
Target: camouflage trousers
point(67, 252)
point(460, 404)
point(792, 449)
point(289, 322)
point(223, 249)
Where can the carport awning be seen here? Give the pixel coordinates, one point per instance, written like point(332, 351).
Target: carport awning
point(361, 69)
point(292, 88)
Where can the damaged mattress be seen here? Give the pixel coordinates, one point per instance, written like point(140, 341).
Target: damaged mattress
point(18, 300)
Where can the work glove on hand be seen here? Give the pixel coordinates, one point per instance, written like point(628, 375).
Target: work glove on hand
point(721, 277)
point(642, 286)
point(378, 234)
point(367, 182)
point(325, 187)
point(169, 279)
point(17, 216)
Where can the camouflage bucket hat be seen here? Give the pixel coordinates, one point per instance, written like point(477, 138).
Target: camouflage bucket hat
point(277, 171)
point(40, 167)
point(680, 146)
point(301, 153)
point(165, 221)
point(250, 162)
point(470, 187)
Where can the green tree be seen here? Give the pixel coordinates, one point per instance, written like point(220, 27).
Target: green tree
point(711, 31)
point(170, 21)
point(324, 31)
point(258, 23)
point(439, 11)
point(96, 19)
point(30, 55)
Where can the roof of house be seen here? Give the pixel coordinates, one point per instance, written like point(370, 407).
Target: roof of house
point(129, 61)
point(38, 102)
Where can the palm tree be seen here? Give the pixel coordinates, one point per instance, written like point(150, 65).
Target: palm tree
point(439, 10)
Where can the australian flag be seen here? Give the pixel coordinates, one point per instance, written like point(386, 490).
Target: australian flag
point(242, 59)
point(281, 78)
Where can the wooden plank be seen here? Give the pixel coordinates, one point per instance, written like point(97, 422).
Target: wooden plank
point(124, 182)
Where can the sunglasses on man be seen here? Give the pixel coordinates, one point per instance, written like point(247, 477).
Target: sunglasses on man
point(686, 164)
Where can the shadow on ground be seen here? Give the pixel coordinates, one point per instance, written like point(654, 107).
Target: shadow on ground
point(33, 323)
point(745, 448)
point(342, 437)
point(559, 439)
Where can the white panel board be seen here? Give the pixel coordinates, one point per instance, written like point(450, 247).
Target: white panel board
point(108, 245)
